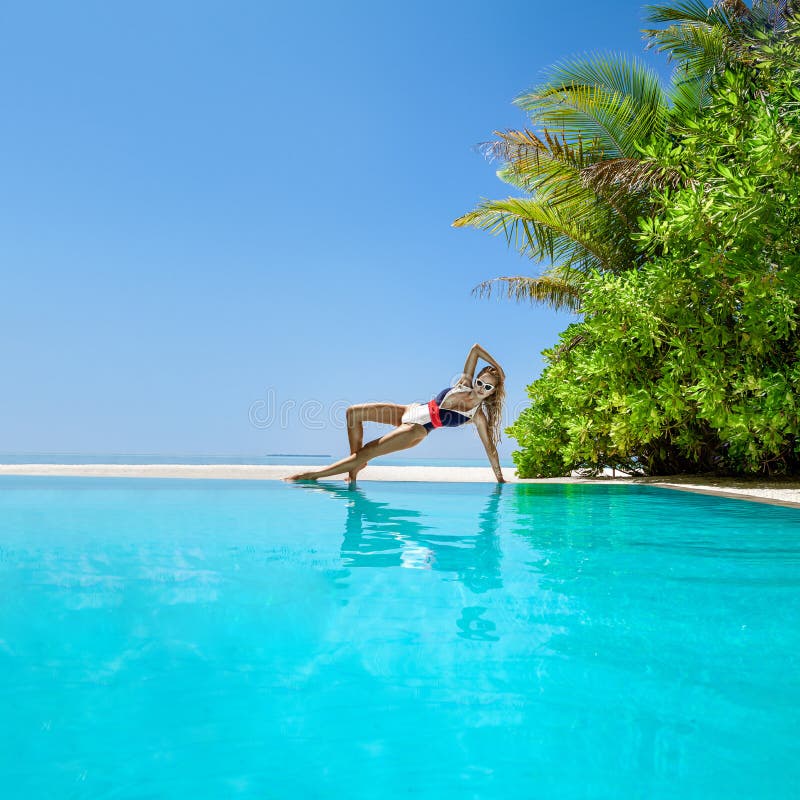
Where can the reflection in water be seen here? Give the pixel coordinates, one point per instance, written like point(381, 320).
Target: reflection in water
point(472, 626)
point(377, 534)
point(482, 572)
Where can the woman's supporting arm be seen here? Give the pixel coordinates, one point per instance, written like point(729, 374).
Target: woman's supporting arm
point(491, 451)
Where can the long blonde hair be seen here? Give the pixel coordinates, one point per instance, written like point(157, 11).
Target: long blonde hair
point(493, 405)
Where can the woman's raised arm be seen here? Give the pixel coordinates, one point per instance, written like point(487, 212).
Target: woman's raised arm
point(472, 361)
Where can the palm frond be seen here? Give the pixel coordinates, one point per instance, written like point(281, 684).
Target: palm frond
point(773, 15)
point(544, 165)
point(611, 100)
point(677, 11)
point(553, 171)
point(550, 289)
point(528, 150)
point(730, 13)
point(631, 175)
point(701, 45)
point(557, 187)
point(703, 37)
point(690, 94)
point(542, 231)
point(704, 40)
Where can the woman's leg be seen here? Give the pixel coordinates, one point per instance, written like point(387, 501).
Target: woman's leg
point(405, 436)
point(387, 413)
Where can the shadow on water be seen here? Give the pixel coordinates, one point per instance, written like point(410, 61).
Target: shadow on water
point(377, 534)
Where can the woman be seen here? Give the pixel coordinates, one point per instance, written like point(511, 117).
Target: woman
point(478, 400)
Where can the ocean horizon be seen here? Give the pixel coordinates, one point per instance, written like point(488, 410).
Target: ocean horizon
point(272, 459)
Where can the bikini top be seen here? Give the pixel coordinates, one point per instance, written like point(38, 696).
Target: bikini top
point(445, 393)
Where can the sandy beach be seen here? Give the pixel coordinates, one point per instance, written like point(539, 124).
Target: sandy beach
point(262, 472)
point(775, 492)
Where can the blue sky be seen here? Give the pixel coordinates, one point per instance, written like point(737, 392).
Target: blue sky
point(215, 211)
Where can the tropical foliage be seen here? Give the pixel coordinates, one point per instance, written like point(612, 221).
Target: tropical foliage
point(686, 268)
point(595, 113)
point(704, 41)
point(586, 181)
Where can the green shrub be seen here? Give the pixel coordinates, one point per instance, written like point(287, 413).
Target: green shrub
point(690, 362)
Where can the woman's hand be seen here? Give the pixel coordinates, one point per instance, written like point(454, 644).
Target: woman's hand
point(481, 353)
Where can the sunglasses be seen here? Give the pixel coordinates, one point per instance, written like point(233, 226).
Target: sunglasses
point(481, 385)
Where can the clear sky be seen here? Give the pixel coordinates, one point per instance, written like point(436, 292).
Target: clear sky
point(213, 212)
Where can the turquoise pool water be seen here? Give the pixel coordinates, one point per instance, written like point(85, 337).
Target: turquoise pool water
point(226, 639)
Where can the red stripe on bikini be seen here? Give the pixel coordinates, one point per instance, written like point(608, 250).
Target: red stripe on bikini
point(434, 412)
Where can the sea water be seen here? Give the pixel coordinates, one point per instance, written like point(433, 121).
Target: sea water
point(273, 459)
point(246, 639)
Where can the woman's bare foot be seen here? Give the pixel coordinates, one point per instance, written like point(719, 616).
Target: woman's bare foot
point(301, 476)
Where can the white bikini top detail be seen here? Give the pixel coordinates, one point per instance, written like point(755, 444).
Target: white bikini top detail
point(457, 390)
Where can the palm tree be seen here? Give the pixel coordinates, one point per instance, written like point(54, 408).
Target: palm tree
point(584, 174)
point(596, 112)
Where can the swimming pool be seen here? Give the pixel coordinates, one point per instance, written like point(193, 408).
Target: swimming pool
point(215, 639)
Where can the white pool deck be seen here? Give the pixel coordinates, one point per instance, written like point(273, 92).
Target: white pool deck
point(776, 492)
